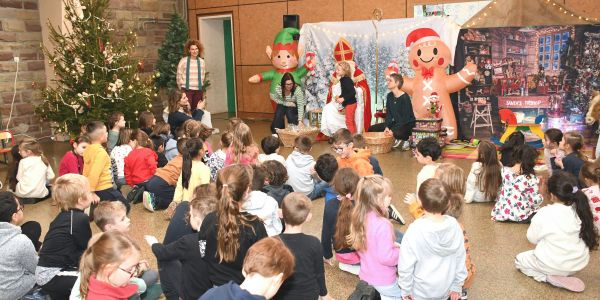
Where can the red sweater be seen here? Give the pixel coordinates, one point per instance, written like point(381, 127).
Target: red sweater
point(98, 290)
point(71, 163)
point(140, 165)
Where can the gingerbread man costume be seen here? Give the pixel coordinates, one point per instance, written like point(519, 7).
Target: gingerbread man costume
point(429, 57)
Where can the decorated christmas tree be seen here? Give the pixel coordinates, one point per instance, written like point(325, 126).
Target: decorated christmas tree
point(95, 74)
point(170, 53)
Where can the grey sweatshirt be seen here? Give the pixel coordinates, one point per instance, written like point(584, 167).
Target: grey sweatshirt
point(17, 266)
point(432, 259)
point(299, 167)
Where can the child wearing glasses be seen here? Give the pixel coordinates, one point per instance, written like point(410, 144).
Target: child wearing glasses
point(107, 267)
point(67, 237)
point(112, 216)
point(347, 157)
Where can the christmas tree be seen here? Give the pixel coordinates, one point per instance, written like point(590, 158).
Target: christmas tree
point(95, 75)
point(170, 53)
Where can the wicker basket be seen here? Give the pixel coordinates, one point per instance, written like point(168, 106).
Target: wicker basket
point(378, 142)
point(288, 136)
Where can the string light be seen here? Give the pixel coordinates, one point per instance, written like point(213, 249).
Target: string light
point(368, 36)
point(554, 4)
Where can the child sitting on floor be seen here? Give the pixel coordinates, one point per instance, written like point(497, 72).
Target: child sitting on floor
point(308, 279)
point(275, 183)
point(116, 122)
point(118, 154)
point(337, 216)
point(590, 176)
point(267, 264)
point(96, 165)
point(107, 267)
point(514, 140)
point(326, 167)
point(112, 216)
point(520, 195)
point(563, 233)
point(360, 144)
point(428, 151)
point(158, 145)
point(373, 236)
point(432, 254)
point(262, 205)
point(67, 237)
point(183, 271)
point(571, 144)
point(72, 162)
point(243, 149)
point(485, 178)
point(141, 162)
point(551, 141)
point(146, 122)
point(300, 165)
point(271, 146)
point(216, 161)
point(347, 157)
point(34, 173)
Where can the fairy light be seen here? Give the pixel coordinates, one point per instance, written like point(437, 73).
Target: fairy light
point(548, 2)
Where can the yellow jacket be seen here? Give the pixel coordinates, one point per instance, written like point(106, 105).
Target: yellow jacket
point(96, 167)
point(200, 175)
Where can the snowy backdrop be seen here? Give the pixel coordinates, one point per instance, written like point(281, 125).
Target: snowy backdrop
point(321, 38)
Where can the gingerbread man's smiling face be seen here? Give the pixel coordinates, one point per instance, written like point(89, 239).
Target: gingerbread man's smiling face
point(428, 54)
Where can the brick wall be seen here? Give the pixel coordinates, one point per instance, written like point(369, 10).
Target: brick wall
point(150, 36)
point(20, 35)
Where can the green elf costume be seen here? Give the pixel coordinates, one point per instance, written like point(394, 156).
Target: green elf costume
point(284, 57)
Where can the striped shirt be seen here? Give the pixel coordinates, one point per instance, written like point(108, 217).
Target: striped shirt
point(297, 99)
point(193, 80)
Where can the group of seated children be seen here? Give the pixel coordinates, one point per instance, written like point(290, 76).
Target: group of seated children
point(236, 217)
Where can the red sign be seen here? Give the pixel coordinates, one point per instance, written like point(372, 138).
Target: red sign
point(524, 102)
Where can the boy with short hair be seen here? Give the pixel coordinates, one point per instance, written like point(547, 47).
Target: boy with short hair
point(96, 165)
point(275, 185)
point(347, 157)
point(359, 144)
point(67, 237)
point(326, 167)
point(428, 151)
point(270, 146)
point(158, 145)
point(432, 248)
point(268, 263)
point(308, 280)
point(300, 166)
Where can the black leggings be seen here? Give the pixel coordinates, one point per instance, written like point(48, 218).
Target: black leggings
point(400, 132)
point(112, 194)
point(280, 113)
point(59, 288)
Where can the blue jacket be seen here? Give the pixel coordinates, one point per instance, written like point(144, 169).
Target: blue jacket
point(229, 291)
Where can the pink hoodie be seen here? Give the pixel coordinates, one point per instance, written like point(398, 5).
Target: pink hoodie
point(378, 262)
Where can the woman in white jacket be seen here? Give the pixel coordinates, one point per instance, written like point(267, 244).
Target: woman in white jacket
point(485, 179)
point(34, 172)
point(563, 233)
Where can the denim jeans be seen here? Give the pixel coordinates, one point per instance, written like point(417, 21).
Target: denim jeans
point(319, 190)
point(391, 291)
point(284, 111)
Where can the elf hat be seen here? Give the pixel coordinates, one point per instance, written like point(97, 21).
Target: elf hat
point(284, 40)
point(420, 35)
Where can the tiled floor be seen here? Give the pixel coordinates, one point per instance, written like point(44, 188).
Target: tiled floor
point(493, 245)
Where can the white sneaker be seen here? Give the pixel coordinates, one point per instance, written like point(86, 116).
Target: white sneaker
point(395, 215)
point(405, 146)
point(352, 269)
point(148, 201)
point(275, 135)
point(397, 143)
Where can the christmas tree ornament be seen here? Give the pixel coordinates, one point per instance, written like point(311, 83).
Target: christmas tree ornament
point(429, 57)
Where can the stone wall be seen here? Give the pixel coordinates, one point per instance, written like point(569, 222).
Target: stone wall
point(20, 35)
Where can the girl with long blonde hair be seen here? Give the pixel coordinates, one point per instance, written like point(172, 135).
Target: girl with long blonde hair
point(373, 237)
point(243, 149)
point(34, 172)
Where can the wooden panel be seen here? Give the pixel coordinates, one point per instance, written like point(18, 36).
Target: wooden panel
point(255, 96)
point(362, 10)
point(585, 8)
point(191, 4)
point(233, 11)
point(193, 24)
point(258, 26)
point(313, 11)
point(215, 3)
point(239, 89)
point(244, 2)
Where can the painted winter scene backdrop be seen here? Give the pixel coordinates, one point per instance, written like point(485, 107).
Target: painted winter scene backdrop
point(375, 45)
